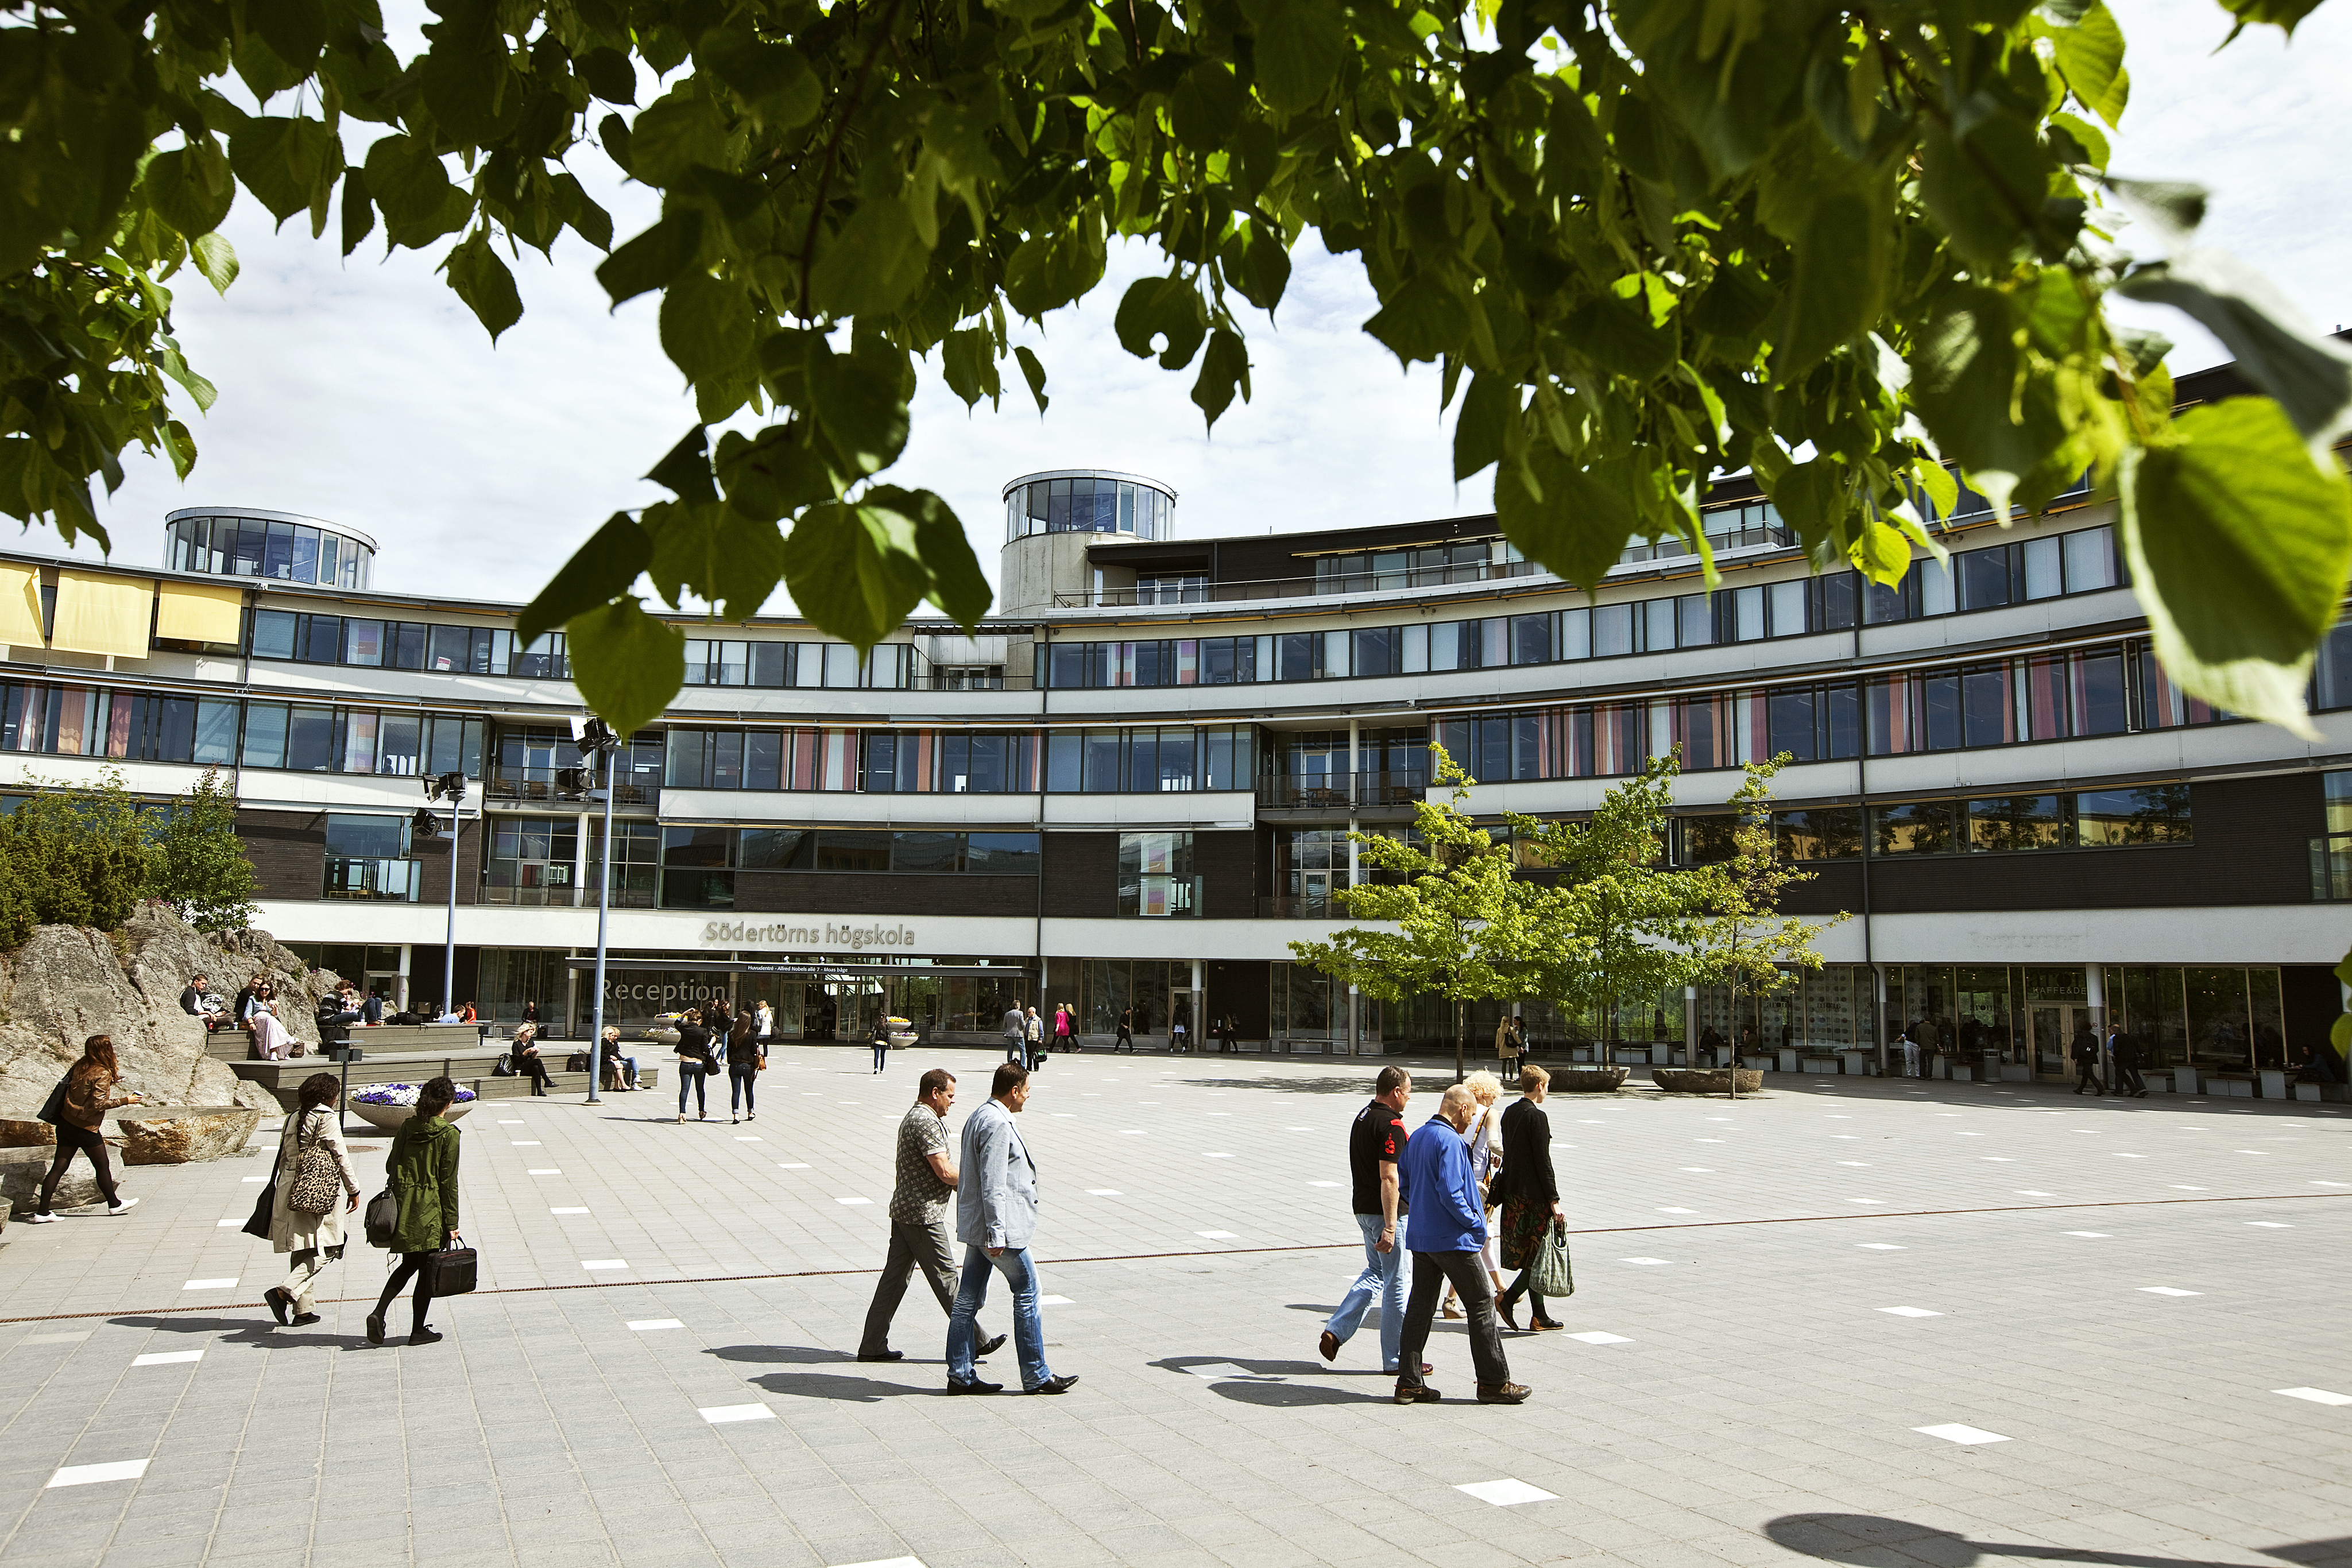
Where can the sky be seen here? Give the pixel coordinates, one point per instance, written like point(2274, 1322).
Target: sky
point(361, 390)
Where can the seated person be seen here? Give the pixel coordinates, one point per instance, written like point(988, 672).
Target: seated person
point(372, 1011)
point(198, 1002)
point(336, 1014)
point(620, 1073)
point(523, 1052)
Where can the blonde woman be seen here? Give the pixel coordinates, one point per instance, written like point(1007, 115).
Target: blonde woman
point(1485, 1136)
point(696, 1062)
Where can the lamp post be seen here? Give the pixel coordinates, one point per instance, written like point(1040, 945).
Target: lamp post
point(593, 737)
point(450, 786)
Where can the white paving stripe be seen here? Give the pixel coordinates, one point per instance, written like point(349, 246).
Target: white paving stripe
point(2092, 1235)
point(2167, 1291)
point(792, 1165)
point(254, 1178)
point(567, 1211)
point(70, 1336)
point(2029, 1192)
point(1661, 1211)
point(84, 1475)
point(720, 1414)
point(1215, 1235)
point(1114, 1192)
point(525, 1143)
point(1648, 1262)
point(1953, 1432)
point(167, 1357)
point(1909, 1313)
point(1596, 1336)
point(1209, 1156)
point(1507, 1492)
point(210, 1285)
point(1881, 1247)
point(226, 1224)
point(2269, 1225)
point(1322, 1184)
point(1055, 1302)
point(884, 1563)
point(547, 1170)
point(855, 1202)
point(603, 1263)
point(650, 1325)
point(2317, 1396)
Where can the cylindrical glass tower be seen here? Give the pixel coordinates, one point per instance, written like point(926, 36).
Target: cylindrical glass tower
point(1088, 501)
point(279, 545)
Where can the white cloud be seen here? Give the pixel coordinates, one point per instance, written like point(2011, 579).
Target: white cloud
point(363, 391)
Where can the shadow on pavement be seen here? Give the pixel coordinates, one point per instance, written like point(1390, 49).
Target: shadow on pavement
point(831, 1385)
point(787, 1354)
point(1868, 1540)
point(258, 1332)
point(1251, 1381)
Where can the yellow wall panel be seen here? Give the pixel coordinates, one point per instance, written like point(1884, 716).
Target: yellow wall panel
point(20, 605)
point(98, 614)
point(200, 612)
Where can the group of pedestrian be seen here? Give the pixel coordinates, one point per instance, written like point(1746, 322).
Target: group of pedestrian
point(712, 1037)
point(2119, 1052)
point(1439, 1180)
point(994, 1183)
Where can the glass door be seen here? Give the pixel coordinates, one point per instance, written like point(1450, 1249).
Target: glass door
point(2053, 1036)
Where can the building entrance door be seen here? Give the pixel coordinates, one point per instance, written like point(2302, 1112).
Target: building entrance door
point(2054, 1039)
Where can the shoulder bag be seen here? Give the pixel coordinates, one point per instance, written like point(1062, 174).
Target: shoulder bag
point(257, 1226)
point(451, 1270)
point(504, 1067)
point(53, 1109)
point(381, 1218)
point(318, 1178)
point(1553, 1277)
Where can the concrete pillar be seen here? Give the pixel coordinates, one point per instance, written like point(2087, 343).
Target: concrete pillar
point(1878, 1015)
point(1200, 1021)
point(2094, 991)
point(1355, 766)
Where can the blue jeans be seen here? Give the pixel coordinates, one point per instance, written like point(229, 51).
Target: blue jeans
point(881, 1054)
point(1383, 1277)
point(1028, 1323)
point(689, 1081)
point(739, 1089)
point(1017, 1051)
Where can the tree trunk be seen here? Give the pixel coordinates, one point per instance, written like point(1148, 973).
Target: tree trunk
point(1461, 1027)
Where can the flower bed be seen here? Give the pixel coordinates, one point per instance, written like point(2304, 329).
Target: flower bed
point(398, 1094)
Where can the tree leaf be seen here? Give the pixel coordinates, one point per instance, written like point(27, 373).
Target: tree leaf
point(191, 187)
point(854, 570)
point(1480, 430)
point(410, 188)
point(655, 257)
point(1157, 308)
point(1033, 372)
point(2091, 53)
point(600, 571)
point(860, 406)
point(1985, 188)
point(872, 265)
point(2310, 375)
point(706, 326)
point(968, 363)
point(2240, 543)
point(1298, 47)
point(685, 471)
point(1207, 106)
point(1224, 369)
point(1577, 526)
point(358, 209)
point(1425, 319)
point(626, 663)
point(216, 258)
point(1964, 373)
point(2281, 13)
point(956, 585)
point(482, 281)
point(710, 549)
point(1840, 285)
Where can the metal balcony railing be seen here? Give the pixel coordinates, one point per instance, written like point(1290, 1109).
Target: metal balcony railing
point(1338, 792)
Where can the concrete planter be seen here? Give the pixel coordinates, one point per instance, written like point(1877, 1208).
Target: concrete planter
point(386, 1118)
point(1705, 1079)
point(1586, 1080)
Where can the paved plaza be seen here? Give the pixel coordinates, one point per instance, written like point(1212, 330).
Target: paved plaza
point(1874, 1322)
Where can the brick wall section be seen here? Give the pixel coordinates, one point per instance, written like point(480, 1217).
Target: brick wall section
point(1227, 866)
point(287, 849)
point(1082, 876)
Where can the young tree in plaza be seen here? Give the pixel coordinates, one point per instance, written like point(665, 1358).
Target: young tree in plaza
point(72, 855)
point(1629, 920)
point(198, 864)
point(1741, 939)
point(1647, 244)
point(1464, 926)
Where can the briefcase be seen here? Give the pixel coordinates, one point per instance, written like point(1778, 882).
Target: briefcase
point(450, 1272)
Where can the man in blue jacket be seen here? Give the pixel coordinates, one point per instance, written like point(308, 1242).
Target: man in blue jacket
point(1444, 1230)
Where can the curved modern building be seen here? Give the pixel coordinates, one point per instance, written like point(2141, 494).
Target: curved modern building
point(1135, 784)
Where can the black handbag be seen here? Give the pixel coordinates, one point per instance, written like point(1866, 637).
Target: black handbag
point(257, 1227)
point(504, 1067)
point(383, 1218)
point(450, 1272)
point(54, 1107)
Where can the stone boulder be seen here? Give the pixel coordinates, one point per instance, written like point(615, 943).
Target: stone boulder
point(67, 983)
point(21, 1171)
point(195, 1134)
point(1707, 1079)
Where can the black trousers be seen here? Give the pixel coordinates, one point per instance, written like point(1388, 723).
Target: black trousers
point(411, 1264)
point(1466, 1271)
point(2087, 1076)
point(70, 1140)
point(2127, 1079)
point(534, 1068)
point(912, 1247)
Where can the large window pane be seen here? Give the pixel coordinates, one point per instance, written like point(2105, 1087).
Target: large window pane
point(1001, 855)
point(1988, 716)
point(360, 836)
point(2153, 814)
point(2097, 694)
point(1177, 748)
point(264, 735)
point(1792, 723)
point(1914, 828)
point(363, 643)
point(698, 868)
point(312, 745)
point(924, 851)
point(1102, 758)
point(448, 648)
point(1155, 875)
point(1824, 833)
point(777, 849)
point(215, 737)
point(848, 848)
point(2019, 822)
point(273, 634)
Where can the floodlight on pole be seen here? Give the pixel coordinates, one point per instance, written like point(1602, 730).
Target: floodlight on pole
point(592, 735)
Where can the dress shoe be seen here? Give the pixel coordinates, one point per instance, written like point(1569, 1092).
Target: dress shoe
point(1415, 1393)
point(1504, 1393)
point(279, 1303)
point(1327, 1347)
point(304, 1320)
point(1503, 1315)
point(1061, 1384)
point(881, 1355)
point(425, 1336)
point(376, 1328)
point(1545, 1325)
point(989, 1346)
point(974, 1386)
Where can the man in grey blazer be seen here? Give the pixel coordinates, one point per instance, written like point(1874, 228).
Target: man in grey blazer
point(996, 1217)
point(1016, 1035)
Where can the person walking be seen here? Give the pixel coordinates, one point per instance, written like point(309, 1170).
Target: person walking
point(1376, 1142)
point(522, 1054)
point(1444, 1231)
point(2086, 1062)
point(1125, 1030)
point(422, 1174)
point(881, 1042)
point(1507, 1045)
point(746, 1060)
point(313, 1236)
point(1062, 1037)
point(766, 1024)
point(1485, 1162)
point(1016, 1035)
point(1530, 1196)
point(2125, 1050)
point(997, 1218)
point(926, 1179)
point(1035, 1027)
point(696, 1062)
point(84, 1097)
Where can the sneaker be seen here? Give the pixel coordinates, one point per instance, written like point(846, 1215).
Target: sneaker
point(1415, 1393)
point(990, 1346)
point(734, 1121)
point(426, 1336)
point(1504, 1393)
point(123, 1206)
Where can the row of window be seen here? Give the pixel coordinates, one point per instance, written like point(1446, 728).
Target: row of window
point(2082, 562)
point(962, 762)
point(1089, 505)
point(258, 547)
point(2064, 820)
point(139, 727)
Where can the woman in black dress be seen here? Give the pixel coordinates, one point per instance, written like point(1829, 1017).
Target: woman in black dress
point(695, 1061)
point(1530, 1196)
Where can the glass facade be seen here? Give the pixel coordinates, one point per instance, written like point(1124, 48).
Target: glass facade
point(275, 548)
point(1088, 504)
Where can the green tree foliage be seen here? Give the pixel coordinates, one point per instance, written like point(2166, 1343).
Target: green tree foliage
point(1741, 939)
point(1647, 242)
point(72, 856)
point(1460, 926)
point(197, 864)
point(1628, 922)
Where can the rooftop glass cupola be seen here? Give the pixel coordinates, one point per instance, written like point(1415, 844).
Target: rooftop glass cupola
point(1088, 501)
point(281, 547)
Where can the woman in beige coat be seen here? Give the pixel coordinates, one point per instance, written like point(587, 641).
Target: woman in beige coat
point(314, 1239)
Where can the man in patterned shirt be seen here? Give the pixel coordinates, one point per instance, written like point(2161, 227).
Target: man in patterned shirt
point(918, 1217)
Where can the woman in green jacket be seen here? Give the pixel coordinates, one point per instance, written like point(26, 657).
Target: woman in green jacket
point(422, 1174)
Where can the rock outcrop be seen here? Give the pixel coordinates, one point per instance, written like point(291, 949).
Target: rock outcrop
point(69, 982)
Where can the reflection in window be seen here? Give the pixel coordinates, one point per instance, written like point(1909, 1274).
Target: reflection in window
point(2151, 814)
point(1914, 828)
point(2018, 822)
point(1821, 834)
point(1155, 875)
